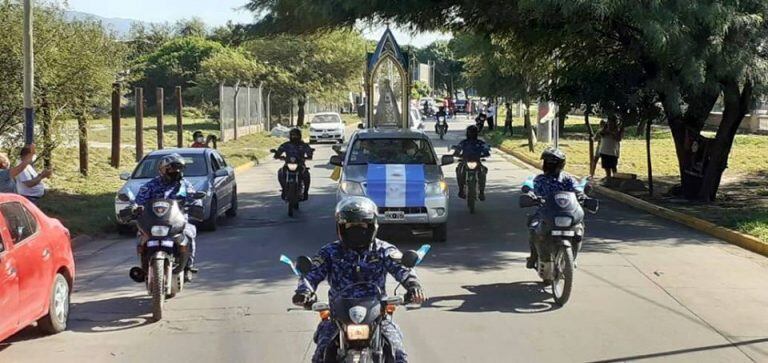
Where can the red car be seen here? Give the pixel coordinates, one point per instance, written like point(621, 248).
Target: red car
point(37, 269)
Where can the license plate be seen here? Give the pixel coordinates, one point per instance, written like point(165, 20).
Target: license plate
point(326, 135)
point(395, 215)
point(156, 243)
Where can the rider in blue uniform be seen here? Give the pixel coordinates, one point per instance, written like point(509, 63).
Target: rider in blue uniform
point(358, 256)
point(298, 149)
point(170, 184)
point(551, 181)
point(472, 149)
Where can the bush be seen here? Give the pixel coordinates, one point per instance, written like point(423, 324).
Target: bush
point(192, 112)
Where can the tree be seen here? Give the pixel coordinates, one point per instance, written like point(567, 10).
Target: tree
point(448, 67)
point(419, 90)
point(690, 52)
point(229, 35)
point(145, 39)
point(193, 27)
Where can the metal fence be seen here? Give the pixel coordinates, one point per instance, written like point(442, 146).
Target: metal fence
point(242, 106)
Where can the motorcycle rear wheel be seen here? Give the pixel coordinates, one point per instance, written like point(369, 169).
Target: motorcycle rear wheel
point(157, 286)
point(563, 281)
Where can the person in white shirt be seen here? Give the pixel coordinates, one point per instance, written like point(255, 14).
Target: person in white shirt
point(491, 115)
point(8, 174)
point(610, 146)
point(29, 183)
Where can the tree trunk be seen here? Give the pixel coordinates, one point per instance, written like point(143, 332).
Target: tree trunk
point(528, 127)
point(592, 163)
point(737, 103)
point(47, 121)
point(82, 127)
point(300, 113)
point(648, 154)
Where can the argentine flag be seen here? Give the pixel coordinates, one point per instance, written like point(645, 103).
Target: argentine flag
point(396, 185)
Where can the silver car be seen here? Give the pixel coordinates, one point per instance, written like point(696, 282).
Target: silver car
point(400, 172)
point(207, 171)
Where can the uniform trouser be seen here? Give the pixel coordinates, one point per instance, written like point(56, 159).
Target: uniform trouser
point(327, 336)
point(461, 176)
point(491, 124)
point(305, 178)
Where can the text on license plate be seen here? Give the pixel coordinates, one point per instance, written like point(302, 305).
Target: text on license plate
point(395, 215)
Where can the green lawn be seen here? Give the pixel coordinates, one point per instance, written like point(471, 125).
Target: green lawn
point(85, 204)
point(743, 200)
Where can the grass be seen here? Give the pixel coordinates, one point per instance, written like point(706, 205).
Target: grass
point(86, 204)
point(743, 193)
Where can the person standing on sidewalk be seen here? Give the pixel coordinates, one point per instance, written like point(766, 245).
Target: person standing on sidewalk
point(491, 115)
point(610, 146)
point(508, 120)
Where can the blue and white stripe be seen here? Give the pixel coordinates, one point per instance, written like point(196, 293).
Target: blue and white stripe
point(396, 185)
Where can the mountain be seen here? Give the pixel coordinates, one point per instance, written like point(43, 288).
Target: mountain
point(120, 26)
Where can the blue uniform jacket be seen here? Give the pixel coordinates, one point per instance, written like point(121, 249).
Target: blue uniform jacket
point(473, 149)
point(300, 151)
point(157, 188)
point(544, 184)
point(339, 266)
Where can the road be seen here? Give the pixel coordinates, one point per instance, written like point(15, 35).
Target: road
point(645, 289)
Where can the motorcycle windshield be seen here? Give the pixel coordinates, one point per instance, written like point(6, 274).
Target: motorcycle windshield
point(563, 204)
point(163, 212)
point(357, 304)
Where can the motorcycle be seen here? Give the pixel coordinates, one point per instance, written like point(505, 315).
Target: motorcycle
point(441, 126)
point(472, 168)
point(164, 248)
point(360, 319)
point(558, 229)
point(480, 121)
point(293, 182)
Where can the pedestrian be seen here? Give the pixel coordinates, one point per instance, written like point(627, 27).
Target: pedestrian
point(198, 140)
point(29, 183)
point(491, 115)
point(610, 145)
point(8, 174)
point(508, 120)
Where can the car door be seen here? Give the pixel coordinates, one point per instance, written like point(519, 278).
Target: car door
point(9, 284)
point(33, 257)
point(229, 184)
point(219, 183)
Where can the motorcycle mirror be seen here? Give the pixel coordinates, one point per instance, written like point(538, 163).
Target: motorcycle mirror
point(526, 201)
point(410, 258)
point(526, 189)
point(588, 189)
point(303, 264)
point(199, 195)
point(273, 151)
point(591, 205)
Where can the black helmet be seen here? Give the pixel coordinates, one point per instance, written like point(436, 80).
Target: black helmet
point(171, 167)
point(472, 132)
point(294, 135)
point(554, 161)
point(357, 222)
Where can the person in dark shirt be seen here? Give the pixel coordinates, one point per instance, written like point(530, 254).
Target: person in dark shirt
point(471, 149)
point(298, 149)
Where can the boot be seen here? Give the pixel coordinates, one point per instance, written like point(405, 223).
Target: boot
point(282, 194)
point(305, 197)
point(481, 196)
point(462, 193)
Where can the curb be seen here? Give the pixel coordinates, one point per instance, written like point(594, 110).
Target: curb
point(742, 240)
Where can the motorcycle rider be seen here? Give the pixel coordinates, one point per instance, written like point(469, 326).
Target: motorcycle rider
point(441, 113)
point(357, 256)
point(170, 184)
point(552, 180)
point(471, 148)
point(295, 148)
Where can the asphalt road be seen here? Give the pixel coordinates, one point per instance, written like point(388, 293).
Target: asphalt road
point(645, 289)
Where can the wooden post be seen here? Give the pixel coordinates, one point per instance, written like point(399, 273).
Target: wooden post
point(82, 127)
point(179, 119)
point(648, 151)
point(592, 163)
point(236, 113)
point(139, 101)
point(116, 125)
point(160, 111)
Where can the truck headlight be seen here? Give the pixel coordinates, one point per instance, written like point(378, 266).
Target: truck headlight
point(439, 188)
point(352, 188)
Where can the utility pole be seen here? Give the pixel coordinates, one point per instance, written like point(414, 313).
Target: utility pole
point(29, 80)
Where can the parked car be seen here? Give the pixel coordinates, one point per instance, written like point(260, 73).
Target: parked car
point(409, 189)
point(37, 269)
point(206, 170)
point(326, 126)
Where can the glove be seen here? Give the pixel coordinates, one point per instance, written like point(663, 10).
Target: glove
point(303, 299)
point(138, 211)
point(415, 294)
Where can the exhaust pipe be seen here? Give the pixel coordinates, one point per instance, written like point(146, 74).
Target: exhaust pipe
point(137, 274)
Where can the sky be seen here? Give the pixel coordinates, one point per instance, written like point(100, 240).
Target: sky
point(213, 12)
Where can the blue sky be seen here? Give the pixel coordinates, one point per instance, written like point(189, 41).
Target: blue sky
point(213, 12)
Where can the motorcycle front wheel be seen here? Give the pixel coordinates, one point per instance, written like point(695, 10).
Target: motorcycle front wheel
point(471, 195)
point(563, 281)
point(157, 286)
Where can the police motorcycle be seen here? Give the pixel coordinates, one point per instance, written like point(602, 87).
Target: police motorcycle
point(441, 125)
point(358, 320)
point(473, 166)
point(293, 182)
point(558, 229)
point(164, 248)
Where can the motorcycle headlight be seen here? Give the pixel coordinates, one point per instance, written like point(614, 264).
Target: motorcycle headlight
point(352, 188)
point(160, 231)
point(432, 189)
point(292, 166)
point(471, 165)
point(563, 221)
point(358, 332)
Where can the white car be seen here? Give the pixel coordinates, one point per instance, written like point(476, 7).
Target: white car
point(326, 126)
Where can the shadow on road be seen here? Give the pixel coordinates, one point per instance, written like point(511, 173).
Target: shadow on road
point(112, 314)
point(517, 297)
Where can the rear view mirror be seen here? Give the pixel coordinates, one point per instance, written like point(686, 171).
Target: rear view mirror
point(336, 149)
point(123, 197)
point(273, 151)
point(303, 264)
point(410, 259)
point(591, 205)
point(336, 160)
point(526, 189)
point(199, 195)
point(125, 176)
point(447, 160)
point(527, 201)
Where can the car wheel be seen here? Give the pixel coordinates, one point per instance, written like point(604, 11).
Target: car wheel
point(440, 233)
point(232, 211)
point(58, 310)
point(211, 223)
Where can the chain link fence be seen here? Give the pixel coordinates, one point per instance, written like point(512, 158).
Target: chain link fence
point(241, 111)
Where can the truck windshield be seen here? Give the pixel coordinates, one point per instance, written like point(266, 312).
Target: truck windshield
point(391, 151)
